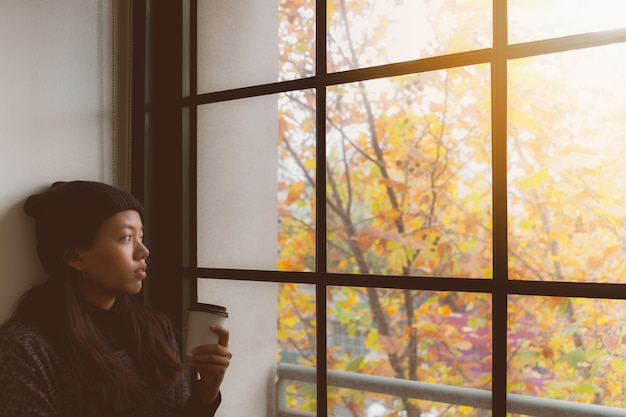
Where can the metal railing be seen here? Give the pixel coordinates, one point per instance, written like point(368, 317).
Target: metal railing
point(471, 397)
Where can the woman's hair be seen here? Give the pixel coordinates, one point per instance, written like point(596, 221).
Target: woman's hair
point(102, 381)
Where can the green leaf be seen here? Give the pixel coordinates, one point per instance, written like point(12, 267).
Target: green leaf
point(527, 355)
point(593, 353)
point(534, 180)
point(563, 307)
point(570, 330)
point(587, 389)
point(594, 368)
point(355, 364)
point(574, 357)
point(309, 390)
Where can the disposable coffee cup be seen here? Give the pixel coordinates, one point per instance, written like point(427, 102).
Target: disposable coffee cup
point(199, 318)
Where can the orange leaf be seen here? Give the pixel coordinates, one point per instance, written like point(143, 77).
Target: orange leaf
point(394, 236)
point(356, 409)
point(384, 369)
point(595, 262)
point(390, 344)
point(463, 345)
point(392, 214)
point(444, 310)
point(397, 186)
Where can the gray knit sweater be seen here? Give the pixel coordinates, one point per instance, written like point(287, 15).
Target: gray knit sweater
point(34, 382)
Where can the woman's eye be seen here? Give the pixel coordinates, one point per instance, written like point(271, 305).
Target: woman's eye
point(126, 239)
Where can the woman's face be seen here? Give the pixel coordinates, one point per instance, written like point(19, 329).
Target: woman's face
point(116, 263)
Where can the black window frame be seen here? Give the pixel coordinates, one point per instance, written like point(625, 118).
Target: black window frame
point(163, 171)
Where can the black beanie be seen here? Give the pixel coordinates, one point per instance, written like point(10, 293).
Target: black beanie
point(68, 215)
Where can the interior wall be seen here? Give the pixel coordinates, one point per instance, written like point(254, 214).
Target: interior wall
point(55, 117)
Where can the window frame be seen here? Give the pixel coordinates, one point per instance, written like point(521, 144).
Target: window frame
point(164, 171)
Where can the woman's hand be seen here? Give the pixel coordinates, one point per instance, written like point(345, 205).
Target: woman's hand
point(211, 361)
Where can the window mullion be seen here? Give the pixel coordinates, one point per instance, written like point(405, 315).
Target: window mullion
point(499, 169)
point(321, 264)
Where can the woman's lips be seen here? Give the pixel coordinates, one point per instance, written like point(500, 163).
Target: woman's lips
point(141, 272)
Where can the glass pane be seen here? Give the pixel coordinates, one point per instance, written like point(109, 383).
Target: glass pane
point(237, 43)
point(296, 39)
point(569, 349)
point(297, 358)
point(237, 184)
point(441, 340)
point(531, 20)
point(257, 344)
point(566, 175)
point(409, 175)
point(296, 181)
point(363, 33)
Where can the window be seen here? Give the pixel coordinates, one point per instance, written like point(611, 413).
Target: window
point(425, 196)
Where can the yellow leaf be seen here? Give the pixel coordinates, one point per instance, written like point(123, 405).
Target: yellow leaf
point(444, 310)
point(534, 180)
point(397, 259)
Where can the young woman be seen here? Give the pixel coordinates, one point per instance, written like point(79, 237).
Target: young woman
point(81, 344)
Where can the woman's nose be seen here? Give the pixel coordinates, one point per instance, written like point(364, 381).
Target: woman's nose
point(142, 251)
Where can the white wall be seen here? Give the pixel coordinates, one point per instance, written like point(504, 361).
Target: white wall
point(55, 116)
point(238, 192)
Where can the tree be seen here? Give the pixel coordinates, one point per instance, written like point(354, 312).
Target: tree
point(407, 165)
point(408, 190)
point(566, 223)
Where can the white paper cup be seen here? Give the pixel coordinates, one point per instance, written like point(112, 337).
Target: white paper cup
point(199, 318)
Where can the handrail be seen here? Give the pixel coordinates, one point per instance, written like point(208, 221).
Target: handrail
point(471, 397)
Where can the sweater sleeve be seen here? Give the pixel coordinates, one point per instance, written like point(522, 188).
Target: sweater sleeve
point(27, 376)
point(194, 409)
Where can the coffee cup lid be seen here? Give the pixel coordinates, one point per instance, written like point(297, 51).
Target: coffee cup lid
point(209, 308)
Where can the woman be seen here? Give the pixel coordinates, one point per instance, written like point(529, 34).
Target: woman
point(81, 344)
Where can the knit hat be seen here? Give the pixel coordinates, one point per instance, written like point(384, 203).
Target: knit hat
point(68, 215)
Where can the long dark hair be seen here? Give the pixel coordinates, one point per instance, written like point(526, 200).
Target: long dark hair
point(102, 382)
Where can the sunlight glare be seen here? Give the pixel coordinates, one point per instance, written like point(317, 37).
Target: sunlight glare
point(531, 20)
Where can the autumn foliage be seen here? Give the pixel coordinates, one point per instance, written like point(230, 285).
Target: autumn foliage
point(409, 193)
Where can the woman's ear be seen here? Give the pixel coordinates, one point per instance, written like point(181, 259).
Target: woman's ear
point(73, 259)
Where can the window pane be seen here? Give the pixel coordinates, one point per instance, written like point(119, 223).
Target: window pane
point(568, 349)
point(296, 181)
point(566, 173)
point(365, 33)
point(409, 175)
point(237, 184)
point(237, 43)
point(297, 358)
point(252, 316)
point(377, 336)
point(540, 19)
point(296, 39)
